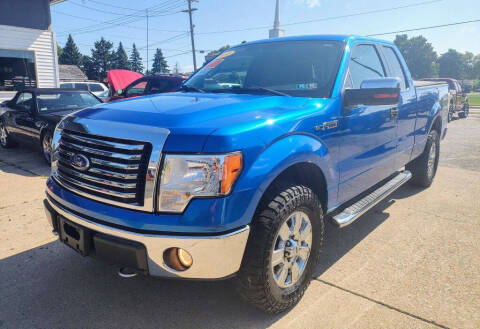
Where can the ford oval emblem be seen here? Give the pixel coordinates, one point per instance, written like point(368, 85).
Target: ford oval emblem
point(80, 162)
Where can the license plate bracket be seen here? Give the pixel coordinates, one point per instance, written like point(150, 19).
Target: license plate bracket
point(75, 236)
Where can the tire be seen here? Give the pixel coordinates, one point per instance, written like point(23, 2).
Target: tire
point(5, 139)
point(464, 113)
point(450, 113)
point(46, 145)
point(424, 168)
point(276, 288)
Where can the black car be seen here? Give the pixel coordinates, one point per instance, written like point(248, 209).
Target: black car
point(31, 116)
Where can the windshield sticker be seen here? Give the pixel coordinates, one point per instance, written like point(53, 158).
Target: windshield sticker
point(303, 86)
point(226, 54)
point(213, 64)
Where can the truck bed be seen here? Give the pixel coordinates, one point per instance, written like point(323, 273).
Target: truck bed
point(423, 84)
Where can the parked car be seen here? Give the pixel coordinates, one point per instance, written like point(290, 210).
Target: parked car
point(458, 98)
point(31, 116)
point(236, 174)
point(96, 88)
point(151, 84)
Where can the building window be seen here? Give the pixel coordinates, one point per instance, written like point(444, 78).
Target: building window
point(17, 69)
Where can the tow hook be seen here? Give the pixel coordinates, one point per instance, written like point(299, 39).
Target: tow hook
point(125, 272)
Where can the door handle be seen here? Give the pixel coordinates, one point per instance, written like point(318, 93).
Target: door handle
point(394, 113)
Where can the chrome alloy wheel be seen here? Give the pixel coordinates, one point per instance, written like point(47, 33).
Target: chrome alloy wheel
point(432, 155)
point(291, 249)
point(47, 146)
point(3, 134)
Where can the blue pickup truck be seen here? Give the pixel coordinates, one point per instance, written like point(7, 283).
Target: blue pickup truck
point(237, 172)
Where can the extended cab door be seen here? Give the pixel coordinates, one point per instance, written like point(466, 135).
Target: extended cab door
point(407, 106)
point(367, 146)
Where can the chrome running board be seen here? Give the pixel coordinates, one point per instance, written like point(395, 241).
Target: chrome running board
point(350, 214)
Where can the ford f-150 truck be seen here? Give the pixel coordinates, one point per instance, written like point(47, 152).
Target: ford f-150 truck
point(237, 172)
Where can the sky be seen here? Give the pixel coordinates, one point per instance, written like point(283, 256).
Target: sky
point(222, 22)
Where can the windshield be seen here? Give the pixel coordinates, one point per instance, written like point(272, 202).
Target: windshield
point(65, 100)
point(293, 68)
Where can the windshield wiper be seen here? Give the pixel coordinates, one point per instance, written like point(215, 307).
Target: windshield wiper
point(251, 90)
point(188, 88)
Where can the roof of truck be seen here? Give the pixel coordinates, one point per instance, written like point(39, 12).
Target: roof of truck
point(326, 37)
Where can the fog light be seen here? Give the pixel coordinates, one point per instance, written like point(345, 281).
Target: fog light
point(177, 258)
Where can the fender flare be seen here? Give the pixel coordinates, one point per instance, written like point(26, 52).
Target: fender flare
point(281, 154)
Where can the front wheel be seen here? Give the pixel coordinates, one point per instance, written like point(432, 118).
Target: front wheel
point(424, 167)
point(283, 249)
point(5, 138)
point(47, 147)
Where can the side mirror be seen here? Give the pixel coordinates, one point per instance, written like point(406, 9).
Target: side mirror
point(383, 91)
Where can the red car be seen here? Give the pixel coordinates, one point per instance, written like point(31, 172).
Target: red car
point(147, 85)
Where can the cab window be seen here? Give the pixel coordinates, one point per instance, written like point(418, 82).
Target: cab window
point(364, 64)
point(81, 86)
point(137, 89)
point(95, 87)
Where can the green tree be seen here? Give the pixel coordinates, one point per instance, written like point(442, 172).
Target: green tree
point(102, 58)
point(135, 60)
point(452, 64)
point(419, 55)
point(159, 63)
point(59, 51)
point(70, 53)
point(88, 68)
point(214, 53)
point(121, 58)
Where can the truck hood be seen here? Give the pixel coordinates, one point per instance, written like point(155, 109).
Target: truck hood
point(193, 115)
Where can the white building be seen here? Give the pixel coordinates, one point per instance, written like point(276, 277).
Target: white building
point(28, 51)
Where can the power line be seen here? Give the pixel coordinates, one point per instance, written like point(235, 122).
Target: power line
point(376, 11)
point(109, 5)
point(424, 28)
point(123, 20)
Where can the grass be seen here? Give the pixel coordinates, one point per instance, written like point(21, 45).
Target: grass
point(474, 99)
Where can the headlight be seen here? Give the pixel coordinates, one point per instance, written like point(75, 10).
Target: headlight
point(187, 176)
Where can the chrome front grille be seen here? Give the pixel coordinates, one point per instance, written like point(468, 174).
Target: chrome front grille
point(114, 172)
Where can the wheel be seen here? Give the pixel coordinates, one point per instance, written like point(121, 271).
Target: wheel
point(283, 249)
point(464, 112)
point(450, 113)
point(424, 168)
point(47, 146)
point(5, 139)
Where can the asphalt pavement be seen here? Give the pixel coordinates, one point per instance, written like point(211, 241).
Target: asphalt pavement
point(413, 261)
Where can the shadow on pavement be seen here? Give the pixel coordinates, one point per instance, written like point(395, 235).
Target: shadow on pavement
point(52, 287)
point(26, 160)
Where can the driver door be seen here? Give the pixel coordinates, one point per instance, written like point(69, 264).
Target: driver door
point(368, 145)
point(23, 117)
point(20, 120)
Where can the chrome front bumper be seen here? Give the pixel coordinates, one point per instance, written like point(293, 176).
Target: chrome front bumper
point(214, 257)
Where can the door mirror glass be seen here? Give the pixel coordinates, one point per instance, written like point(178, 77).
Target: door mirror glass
point(383, 91)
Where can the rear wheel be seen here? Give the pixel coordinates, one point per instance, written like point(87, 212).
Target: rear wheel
point(424, 167)
point(5, 138)
point(47, 147)
point(282, 250)
point(464, 112)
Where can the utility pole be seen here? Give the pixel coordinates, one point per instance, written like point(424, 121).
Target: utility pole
point(189, 11)
point(147, 39)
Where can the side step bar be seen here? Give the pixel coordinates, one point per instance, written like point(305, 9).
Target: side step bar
point(350, 214)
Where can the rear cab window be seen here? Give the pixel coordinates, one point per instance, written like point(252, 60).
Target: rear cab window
point(95, 87)
point(81, 86)
point(66, 85)
point(396, 69)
